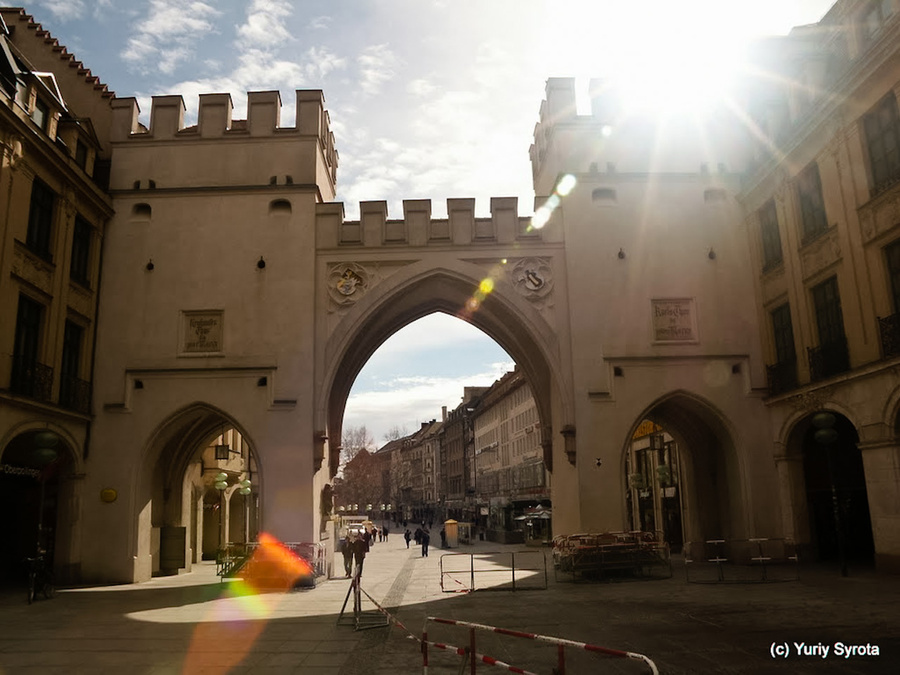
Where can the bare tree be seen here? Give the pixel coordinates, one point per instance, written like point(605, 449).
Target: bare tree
point(395, 432)
point(353, 440)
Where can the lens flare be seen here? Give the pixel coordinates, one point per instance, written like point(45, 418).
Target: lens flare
point(540, 218)
point(566, 184)
point(486, 286)
point(272, 567)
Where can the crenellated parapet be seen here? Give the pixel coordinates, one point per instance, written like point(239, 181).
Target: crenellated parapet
point(245, 149)
point(417, 228)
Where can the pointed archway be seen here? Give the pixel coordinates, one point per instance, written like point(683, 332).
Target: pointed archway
point(184, 509)
point(503, 315)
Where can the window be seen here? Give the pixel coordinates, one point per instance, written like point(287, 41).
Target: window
point(812, 206)
point(892, 253)
point(783, 332)
point(882, 128)
point(771, 239)
point(81, 155)
point(25, 347)
point(40, 114)
point(873, 16)
point(71, 352)
point(81, 252)
point(829, 319)
point(40, 218)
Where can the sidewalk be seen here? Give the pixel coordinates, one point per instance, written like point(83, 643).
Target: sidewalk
point(193, 624)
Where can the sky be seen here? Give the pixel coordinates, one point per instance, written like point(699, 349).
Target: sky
point(427, 99)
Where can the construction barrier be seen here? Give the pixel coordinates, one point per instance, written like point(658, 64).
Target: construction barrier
point(741, 561)
point(363, 619)
point(496, 571)
point(471, 654)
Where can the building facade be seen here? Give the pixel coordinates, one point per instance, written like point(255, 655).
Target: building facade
point(510, 478)
point(821, 200)
point(732, 280)
point(55, 209)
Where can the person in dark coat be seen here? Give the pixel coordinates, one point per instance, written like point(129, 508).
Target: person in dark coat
point(443, 538)
point(407, 535)
point(347, 552)
point(426, 537)
point(358, 548)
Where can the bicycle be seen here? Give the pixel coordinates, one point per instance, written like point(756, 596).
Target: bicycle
point(40, 578)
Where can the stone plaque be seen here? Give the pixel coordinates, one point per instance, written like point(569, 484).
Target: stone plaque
point(202, 331)
point(674, 320)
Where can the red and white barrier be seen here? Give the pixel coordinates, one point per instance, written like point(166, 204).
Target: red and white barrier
point(461, 651)
point(561, 642)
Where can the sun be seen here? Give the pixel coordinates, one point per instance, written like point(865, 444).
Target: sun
point(661, 57)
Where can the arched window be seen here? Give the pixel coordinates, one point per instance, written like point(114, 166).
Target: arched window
point(279, 207)
point(604, 195)
point(141, 212)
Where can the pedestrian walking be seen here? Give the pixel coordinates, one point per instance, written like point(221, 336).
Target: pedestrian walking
point(426, 537)
point(387, 531)
point(407, 535)
point(443, 538)
point(358, 548)
point(347, 552)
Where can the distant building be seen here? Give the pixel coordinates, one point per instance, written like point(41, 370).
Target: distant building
point(510, 478)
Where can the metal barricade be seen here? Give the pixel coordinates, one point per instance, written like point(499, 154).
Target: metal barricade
point(234, 556)
point(496, 571)
point(741, 561)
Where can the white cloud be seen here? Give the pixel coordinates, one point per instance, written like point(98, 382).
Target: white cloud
point(412, 400)
point(166, 37)
point(320, 23)
point(421, 88)
point(63, 10)
point(433, 332)
point(377, 65)
point(320, 62)
point(265, 25)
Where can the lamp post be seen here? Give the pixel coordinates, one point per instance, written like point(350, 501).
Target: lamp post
point(45, 453)
point(826, 436)
point(221, 486)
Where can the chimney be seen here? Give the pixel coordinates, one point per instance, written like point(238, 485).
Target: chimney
point(443, 413)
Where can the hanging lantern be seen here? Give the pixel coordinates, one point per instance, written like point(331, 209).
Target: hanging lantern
point(823, 420)
point(45, 439)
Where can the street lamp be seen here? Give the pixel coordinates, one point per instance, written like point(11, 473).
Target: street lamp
point(221, 485)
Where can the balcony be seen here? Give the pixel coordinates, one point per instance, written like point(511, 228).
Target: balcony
point(831, 358)
point(782, 377)
point(889, 329)
point(75, 394)
point(31, 379)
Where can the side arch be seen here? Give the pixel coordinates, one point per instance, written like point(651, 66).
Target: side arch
point(71, 445)
point(715, 499)
point(420, 290)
